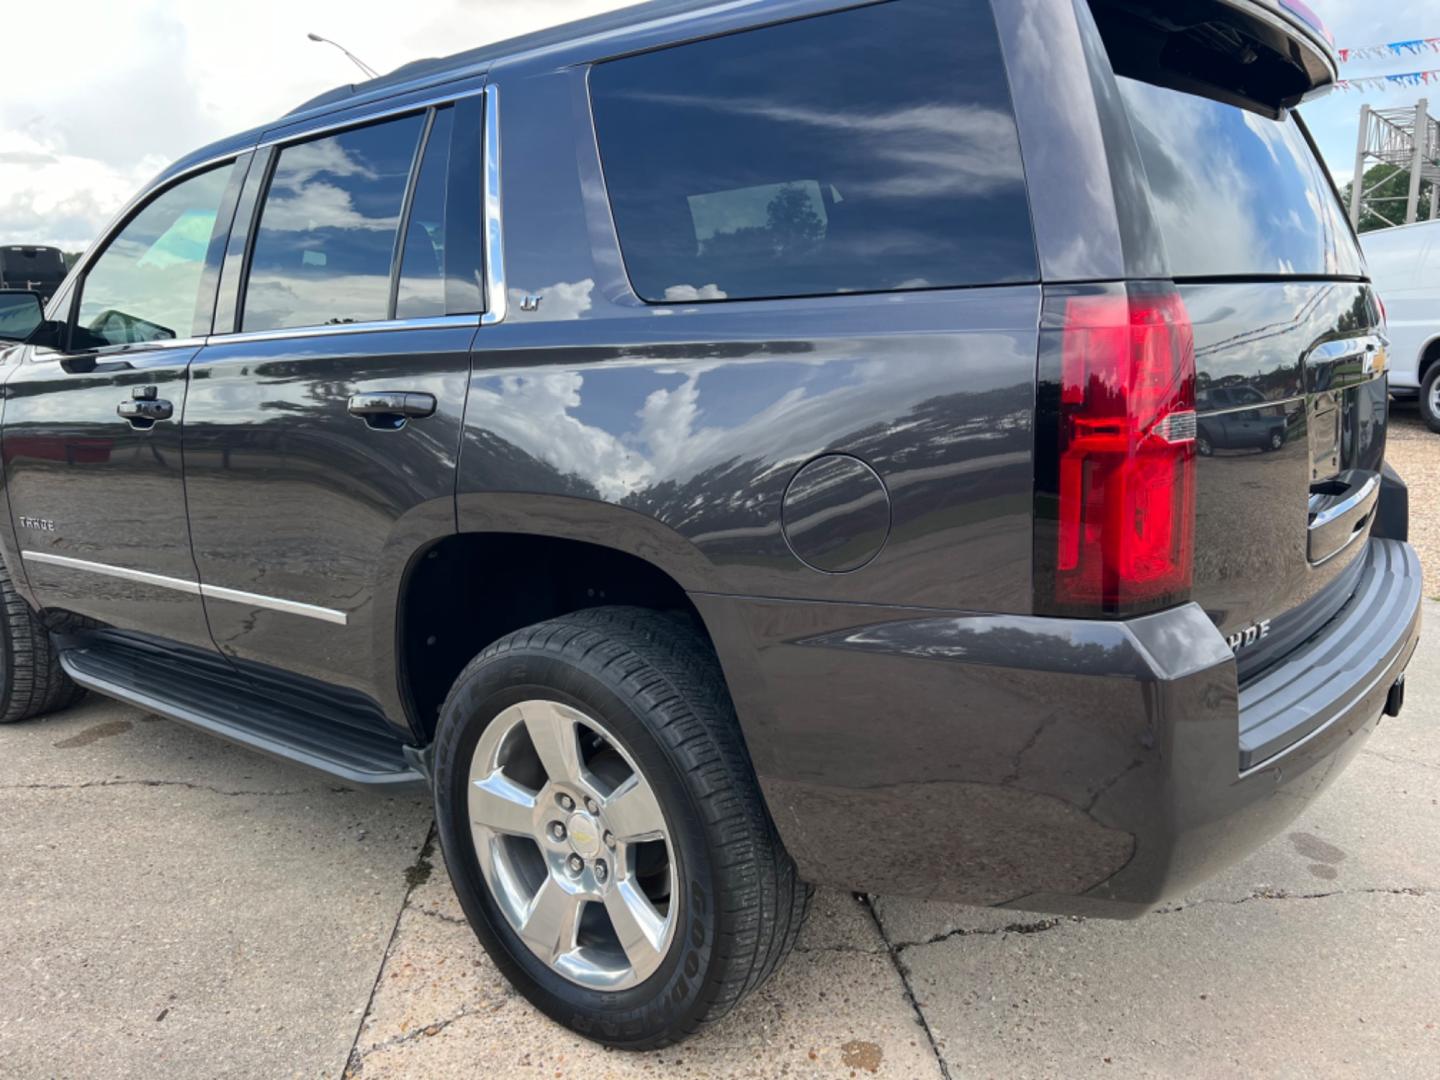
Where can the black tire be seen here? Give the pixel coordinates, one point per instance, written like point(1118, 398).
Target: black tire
point(654, 682)
point(31, 680)
point(1428, 397)
point(1202, 445)
point(1277, 440)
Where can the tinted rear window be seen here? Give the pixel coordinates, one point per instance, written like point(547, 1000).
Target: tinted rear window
point(1236, 193)
point(46, 263)
point(871, 149)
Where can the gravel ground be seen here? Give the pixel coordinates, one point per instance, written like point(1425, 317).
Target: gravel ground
point(1414, 451)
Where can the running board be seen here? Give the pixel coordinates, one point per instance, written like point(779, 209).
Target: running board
point(210, 695)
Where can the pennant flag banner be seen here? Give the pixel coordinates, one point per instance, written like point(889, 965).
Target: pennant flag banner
point(1413, 47)
point(1391, 82)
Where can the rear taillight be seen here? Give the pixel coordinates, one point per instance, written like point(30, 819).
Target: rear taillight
point(1116, 497)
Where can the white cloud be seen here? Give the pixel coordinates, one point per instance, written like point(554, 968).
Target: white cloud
point(134, 85)
point(681, 293)
point(563, 300)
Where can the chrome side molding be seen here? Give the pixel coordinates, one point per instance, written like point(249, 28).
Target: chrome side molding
point(194, 588)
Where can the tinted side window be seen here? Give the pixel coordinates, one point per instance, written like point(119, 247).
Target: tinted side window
point(326, 239)
point(865, 150)
point(145, 285)
point(422, 262)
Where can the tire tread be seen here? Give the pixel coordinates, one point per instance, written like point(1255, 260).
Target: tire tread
point(671, 674)
point(32, 682)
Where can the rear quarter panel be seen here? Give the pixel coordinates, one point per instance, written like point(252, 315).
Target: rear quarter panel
point(673, 431)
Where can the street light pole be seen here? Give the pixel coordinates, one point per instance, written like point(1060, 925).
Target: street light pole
point(366, 68)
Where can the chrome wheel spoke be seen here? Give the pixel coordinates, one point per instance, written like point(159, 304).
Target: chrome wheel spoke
point(551, 921)
point(500, 804)
point(539, 773)
point(552, 732)
point(640, 928)
point(633, 813)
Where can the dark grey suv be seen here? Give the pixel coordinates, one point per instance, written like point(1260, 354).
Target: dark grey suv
point(724, 446)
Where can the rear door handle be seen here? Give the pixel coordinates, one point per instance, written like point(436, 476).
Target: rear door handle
point(390, 409)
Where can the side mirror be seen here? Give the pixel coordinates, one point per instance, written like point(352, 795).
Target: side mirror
point(21, 314)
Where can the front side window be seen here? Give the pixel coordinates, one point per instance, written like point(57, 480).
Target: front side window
point(326, 238)
point(865, 150)
point(145, 285)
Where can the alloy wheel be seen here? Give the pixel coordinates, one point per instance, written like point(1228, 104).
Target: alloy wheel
point(573, 844)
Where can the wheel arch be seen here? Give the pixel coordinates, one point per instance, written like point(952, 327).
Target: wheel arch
point(1429, 354)
point(467, 589)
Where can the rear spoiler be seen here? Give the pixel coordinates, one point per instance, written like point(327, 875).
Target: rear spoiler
point(1265, 55)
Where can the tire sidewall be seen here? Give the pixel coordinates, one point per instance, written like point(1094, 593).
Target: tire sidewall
point(8, 595)
point(1427, 389)
point(679, 988)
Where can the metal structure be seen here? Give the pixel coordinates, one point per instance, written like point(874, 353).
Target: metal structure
point(370, 73)
point(1403, 139)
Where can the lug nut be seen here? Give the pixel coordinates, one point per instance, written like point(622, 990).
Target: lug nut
point(557, 830)
point(566, 802)
point(576, 864)
point(600, 870)
point(590, 805)
point(609, 839)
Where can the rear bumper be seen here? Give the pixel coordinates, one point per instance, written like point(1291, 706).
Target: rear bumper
point(1047, 764)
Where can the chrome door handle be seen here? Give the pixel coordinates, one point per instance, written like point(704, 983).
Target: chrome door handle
point(142, 413)
point(390, 409)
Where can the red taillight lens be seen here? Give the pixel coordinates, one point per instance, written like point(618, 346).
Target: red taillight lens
point(1126, 480)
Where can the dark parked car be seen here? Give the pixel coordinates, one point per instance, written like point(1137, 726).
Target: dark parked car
point(1238, 418)
point(33, 268)
point(719, 447)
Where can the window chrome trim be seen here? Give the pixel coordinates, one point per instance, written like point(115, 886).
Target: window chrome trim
point(367, 118)
point(375, 326)
point(193, 588)
point(497, 300)
point(1251, 407)
point(192, 342)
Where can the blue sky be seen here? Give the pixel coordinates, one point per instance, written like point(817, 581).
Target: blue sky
point(145, 81)
point(1334, 119)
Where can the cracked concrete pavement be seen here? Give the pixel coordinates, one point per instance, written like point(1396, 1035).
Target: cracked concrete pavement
point(179, 907)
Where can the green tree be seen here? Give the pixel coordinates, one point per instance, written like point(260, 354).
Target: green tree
point(1394, 184)
point(792, 229)
point(793, 223)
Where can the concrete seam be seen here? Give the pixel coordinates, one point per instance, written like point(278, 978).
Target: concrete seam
point(905, 986)
point(1014, 928)
point(1281, 894)
point(414, 877)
